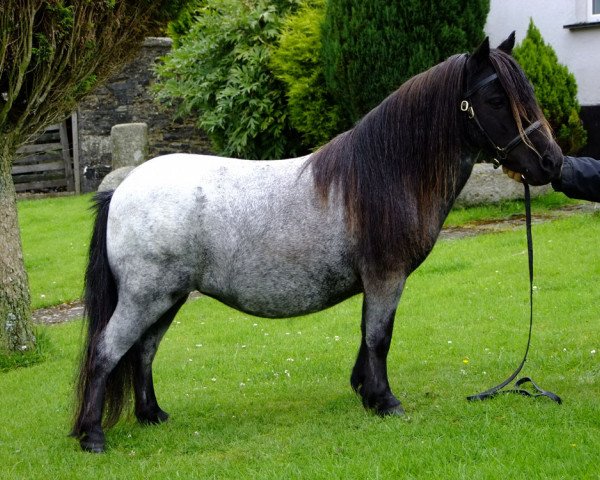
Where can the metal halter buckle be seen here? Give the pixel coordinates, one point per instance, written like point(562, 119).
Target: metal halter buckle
point(465, 107)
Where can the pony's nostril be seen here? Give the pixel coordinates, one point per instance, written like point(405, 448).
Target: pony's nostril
point(547, 162)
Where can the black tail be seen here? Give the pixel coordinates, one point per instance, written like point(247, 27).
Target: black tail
point(100, 303)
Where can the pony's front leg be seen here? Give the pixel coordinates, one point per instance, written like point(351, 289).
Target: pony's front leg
point(369, 376)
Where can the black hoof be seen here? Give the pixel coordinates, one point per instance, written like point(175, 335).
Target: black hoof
point(387, 405)
point(152, 418)
point(396, 411)
point(92, 442)
point(356, 384)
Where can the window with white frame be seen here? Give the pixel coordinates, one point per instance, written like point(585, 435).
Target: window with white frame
point(594, 9)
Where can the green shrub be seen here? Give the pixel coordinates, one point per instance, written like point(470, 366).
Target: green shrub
point(220, 72)
point(555, 88)
point(371, 48)
point(297, 62)
point(181, 26)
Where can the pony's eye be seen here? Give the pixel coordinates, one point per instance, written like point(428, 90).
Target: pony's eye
point(496, 102)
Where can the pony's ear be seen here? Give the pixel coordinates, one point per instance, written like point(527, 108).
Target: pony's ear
point(480, 56)
point(507, 45)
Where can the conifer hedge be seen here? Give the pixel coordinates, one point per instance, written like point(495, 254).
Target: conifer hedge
point(371, 47)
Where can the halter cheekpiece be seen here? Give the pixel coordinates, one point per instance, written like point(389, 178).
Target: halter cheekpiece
point(501, 152)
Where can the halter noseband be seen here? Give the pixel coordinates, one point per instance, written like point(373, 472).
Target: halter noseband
point(501, 152)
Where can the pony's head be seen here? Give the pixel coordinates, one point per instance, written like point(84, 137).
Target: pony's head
point(505, 120)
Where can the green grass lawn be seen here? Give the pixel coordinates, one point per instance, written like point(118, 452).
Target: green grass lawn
point(55, 233)
point(256, 398)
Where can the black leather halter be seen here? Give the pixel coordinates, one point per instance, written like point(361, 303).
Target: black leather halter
point(501, 153)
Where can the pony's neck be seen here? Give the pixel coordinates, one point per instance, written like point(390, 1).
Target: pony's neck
point(467, 161)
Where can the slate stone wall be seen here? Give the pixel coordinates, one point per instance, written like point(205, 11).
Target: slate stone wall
point(126, 98)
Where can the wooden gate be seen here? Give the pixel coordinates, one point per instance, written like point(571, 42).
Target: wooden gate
point(45, 164)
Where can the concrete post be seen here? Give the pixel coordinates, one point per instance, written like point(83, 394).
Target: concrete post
point(129, 142)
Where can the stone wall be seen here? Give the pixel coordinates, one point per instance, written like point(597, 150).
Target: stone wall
point(127, 98)
point(489, 185)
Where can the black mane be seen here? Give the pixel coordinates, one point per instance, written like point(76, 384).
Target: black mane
point(396, 164)
point(397, 169)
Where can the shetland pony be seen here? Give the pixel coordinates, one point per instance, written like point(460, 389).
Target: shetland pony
point(290, 237)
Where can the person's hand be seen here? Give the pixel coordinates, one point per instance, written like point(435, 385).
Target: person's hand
point(517, 177)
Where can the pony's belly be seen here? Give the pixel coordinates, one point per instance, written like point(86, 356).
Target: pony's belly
point(276, 296)
point(281, 308)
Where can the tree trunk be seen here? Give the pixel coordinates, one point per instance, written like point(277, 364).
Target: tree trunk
point(15, 315)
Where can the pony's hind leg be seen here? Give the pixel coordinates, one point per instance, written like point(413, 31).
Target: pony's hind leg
point(369, 376)
point(147, 410)
point(110, 369)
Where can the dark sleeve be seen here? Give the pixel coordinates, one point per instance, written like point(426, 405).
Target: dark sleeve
point(580, 178)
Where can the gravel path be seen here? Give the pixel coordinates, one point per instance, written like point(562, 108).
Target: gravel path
point(58, 314)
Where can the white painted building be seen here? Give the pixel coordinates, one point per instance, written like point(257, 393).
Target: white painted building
point(572, 27)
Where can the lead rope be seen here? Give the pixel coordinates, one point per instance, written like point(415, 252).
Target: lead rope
point(538, 392)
